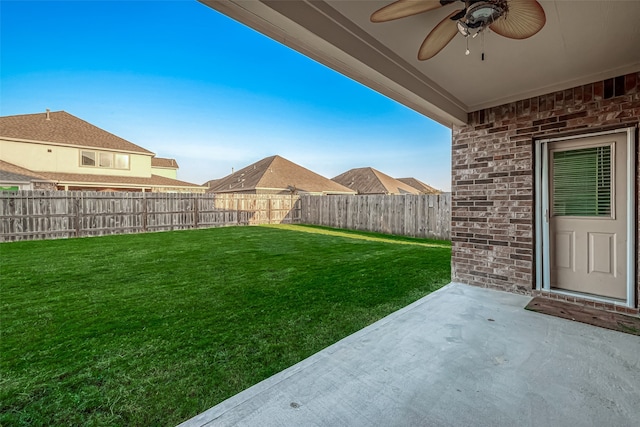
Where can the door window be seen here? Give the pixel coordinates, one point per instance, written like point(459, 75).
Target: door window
point(582, 182)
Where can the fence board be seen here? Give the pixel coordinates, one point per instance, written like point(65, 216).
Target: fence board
point(426, 216)
point(30, 215)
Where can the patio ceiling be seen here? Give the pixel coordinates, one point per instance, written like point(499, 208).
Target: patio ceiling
point(583, 41)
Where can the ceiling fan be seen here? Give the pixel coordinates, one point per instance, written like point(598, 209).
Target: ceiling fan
point(514, 19)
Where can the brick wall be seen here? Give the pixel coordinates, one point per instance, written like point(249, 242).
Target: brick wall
point(492, 220)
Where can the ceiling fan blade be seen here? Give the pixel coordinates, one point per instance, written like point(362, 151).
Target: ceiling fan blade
point(438, 38)
point(523, 19)
point(402, 8)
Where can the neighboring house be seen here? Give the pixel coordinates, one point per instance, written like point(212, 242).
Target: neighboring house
point(372, 181)
point(164, 167)
point(211, 183)
point(14, 178)
point(544, 128)
point(276, 175)
point(420, 186)
point(77, 155)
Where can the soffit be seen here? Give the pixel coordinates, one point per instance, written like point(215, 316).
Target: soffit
point(583, 41)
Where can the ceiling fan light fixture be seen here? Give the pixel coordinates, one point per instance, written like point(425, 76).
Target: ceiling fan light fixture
point(467, 31)
point(463, 29)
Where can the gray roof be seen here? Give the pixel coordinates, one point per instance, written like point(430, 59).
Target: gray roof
point(276, 173)
point(61, 127)
point(419, 185)
point(371, 181)
point(153, 180)
point(14, 173)
point(161, 162)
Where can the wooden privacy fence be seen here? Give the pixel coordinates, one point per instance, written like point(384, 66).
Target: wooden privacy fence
point(32, 215)
point(407, 215)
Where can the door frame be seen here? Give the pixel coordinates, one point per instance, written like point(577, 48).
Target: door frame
point(542, 270)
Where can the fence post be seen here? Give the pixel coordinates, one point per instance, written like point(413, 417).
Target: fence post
point(424, 216)
point(144, 211)
point(77, 203)
point(237, 203)
point(195, 211)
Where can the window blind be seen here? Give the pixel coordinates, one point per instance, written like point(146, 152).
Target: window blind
point(582, 182)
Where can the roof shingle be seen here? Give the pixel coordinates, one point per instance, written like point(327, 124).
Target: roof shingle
point(154, 180)
point(11, 172)
point(371, 181)
point(63, 128)
point(160, 162)
point(419, 185)
point(276, 173)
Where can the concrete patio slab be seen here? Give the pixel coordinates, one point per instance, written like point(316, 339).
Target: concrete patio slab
point(462, 356)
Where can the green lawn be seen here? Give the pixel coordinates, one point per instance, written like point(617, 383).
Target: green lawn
point(151, 329)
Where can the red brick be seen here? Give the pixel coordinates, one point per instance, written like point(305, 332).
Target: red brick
point(598, 91)
point(492, 161)
point(631, 83)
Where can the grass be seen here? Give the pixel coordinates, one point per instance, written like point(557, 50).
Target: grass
point(151, 329)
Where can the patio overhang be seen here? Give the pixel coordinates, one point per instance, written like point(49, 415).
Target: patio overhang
point(582, 41)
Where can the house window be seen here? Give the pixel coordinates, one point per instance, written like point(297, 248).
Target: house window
point(582, 182)
point(122, 161)
point(104, 160)
point(88, 158)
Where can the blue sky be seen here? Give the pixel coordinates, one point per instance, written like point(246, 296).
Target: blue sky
point(186, 82)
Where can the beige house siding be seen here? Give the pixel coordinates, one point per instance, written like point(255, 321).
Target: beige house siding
point(44, 157)
point(166, 172)
point(51, 145)
point(178, 190)
point(164, 167)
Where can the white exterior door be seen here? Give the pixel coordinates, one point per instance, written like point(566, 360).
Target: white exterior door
point(587, 208)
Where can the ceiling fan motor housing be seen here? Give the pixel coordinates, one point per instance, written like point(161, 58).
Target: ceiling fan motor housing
point(525, 18)
point(480, 14)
